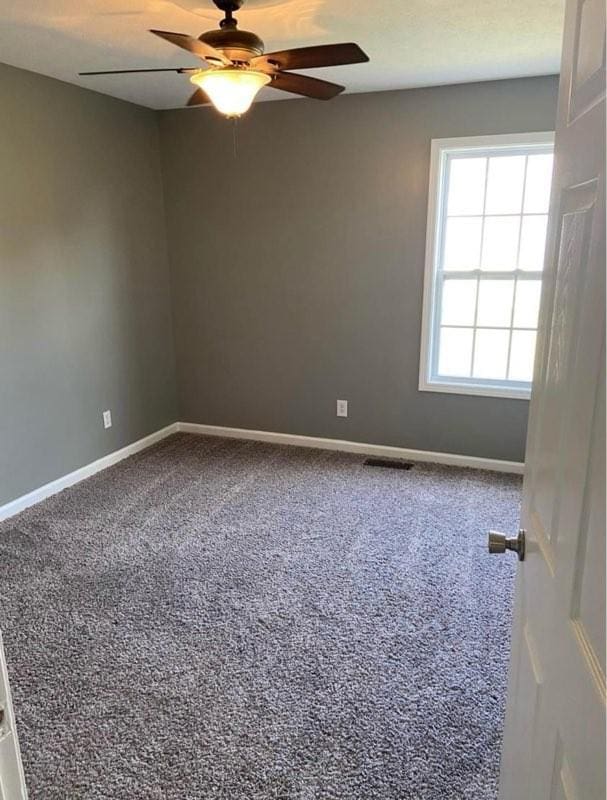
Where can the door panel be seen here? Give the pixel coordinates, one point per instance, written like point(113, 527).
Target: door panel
point(588, 63)
point(12, 783)
point(588, 597)
point(562, 787)
point(554, 743)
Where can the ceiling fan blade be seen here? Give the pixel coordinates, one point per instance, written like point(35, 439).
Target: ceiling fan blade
point(199, 98)
point(304, 85)
point(195, 46)
point(324, 55)
point(128, 71)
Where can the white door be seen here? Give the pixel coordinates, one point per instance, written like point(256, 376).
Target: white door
point(554, 745)
point(12, 783)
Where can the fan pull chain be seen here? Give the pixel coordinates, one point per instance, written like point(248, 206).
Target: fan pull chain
point(234, 136)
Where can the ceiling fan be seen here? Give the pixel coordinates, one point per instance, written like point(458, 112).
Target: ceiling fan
point(237, 67)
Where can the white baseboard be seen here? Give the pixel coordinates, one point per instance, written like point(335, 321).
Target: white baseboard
point(362, 448)
point(452, 459)
point(30, 499)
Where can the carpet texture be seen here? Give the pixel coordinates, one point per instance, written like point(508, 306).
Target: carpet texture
point(225, 620)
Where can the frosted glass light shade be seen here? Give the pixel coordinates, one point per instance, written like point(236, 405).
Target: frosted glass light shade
point(231, 90)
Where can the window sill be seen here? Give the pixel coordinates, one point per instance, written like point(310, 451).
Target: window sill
point(475, 389)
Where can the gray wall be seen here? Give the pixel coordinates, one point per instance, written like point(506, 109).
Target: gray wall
point(297, 270)
point(297, 267)
point(84, 290)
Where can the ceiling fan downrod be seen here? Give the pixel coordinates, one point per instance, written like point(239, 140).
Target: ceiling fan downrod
point(228, 7)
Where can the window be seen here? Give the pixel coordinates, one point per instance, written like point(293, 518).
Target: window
point(487, 216)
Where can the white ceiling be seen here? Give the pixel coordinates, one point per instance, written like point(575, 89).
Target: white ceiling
point(410, 42)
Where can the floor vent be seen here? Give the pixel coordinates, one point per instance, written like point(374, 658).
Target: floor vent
point(389, 463)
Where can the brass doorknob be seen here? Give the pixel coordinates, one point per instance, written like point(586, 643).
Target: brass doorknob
point(499, 543)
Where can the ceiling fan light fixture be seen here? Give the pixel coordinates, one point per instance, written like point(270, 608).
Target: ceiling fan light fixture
point(239, 66)
point(231, 89)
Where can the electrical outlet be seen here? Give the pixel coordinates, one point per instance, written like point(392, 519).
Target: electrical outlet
point(342, 408)
point(107, 419)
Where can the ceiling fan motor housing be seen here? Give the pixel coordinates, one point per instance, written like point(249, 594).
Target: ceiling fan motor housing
point(235, 44)
point(239, 46)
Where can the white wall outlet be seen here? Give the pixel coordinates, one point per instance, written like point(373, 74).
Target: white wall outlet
point(342, 408)
point(107, 419)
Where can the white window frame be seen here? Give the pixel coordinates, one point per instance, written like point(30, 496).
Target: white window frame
point(441, 149)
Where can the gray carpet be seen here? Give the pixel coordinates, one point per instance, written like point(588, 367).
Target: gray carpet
point(223, 620)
